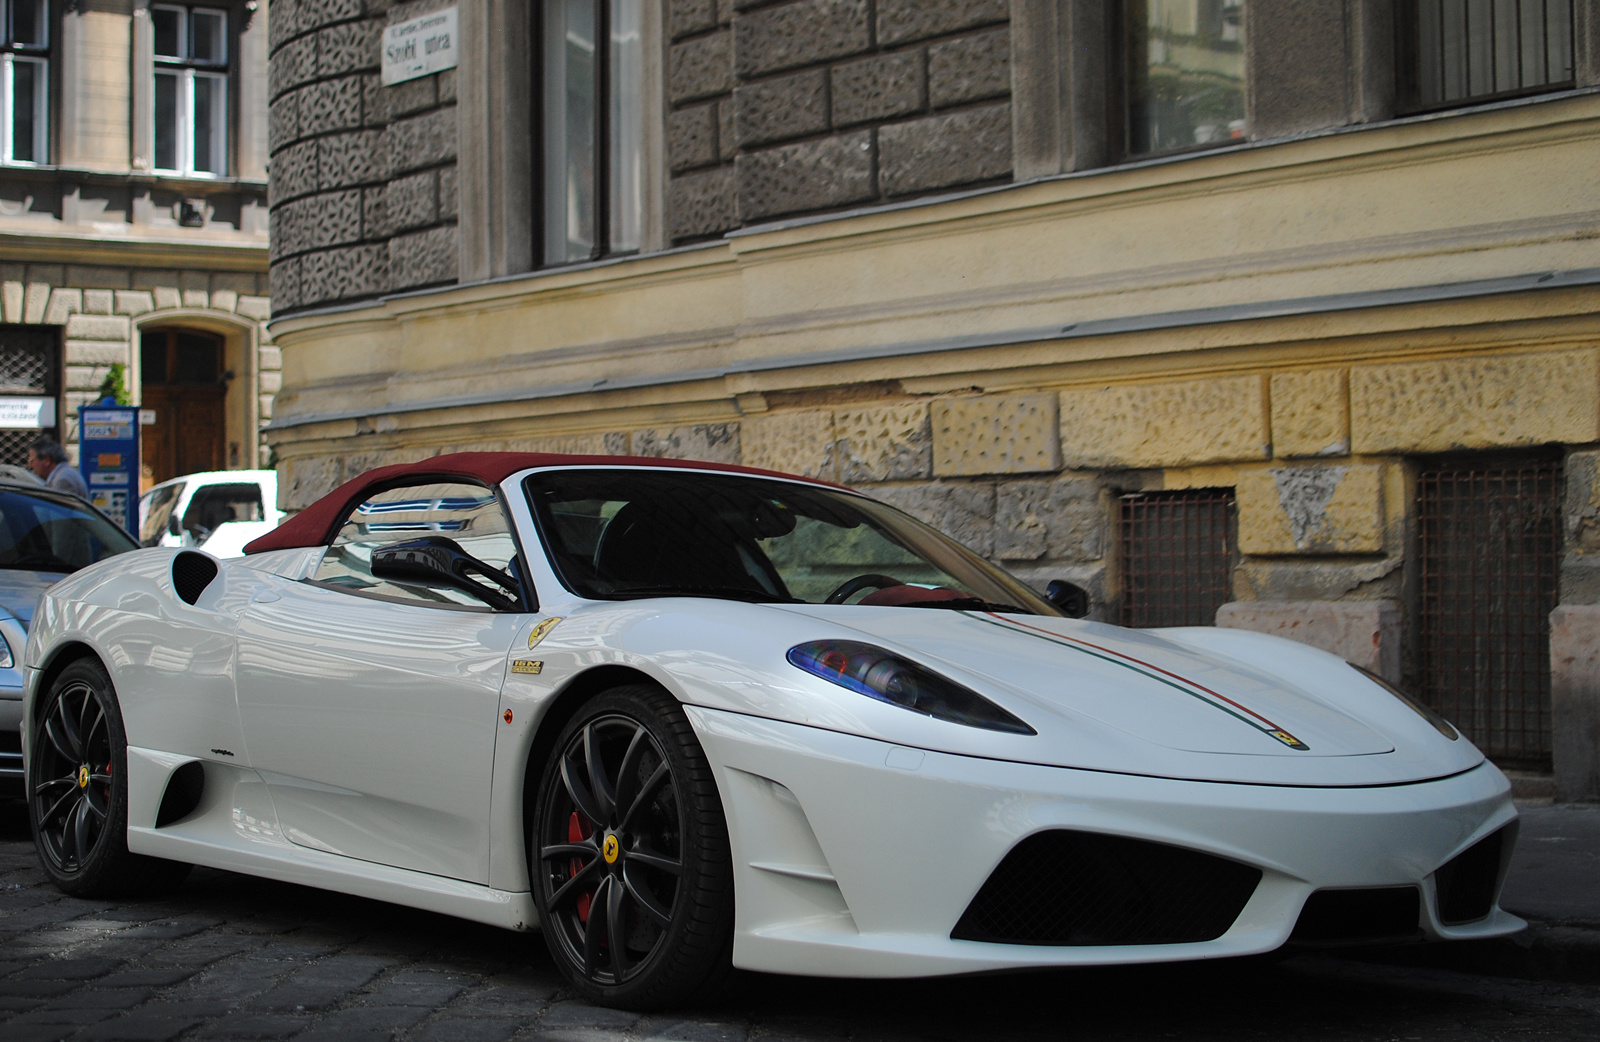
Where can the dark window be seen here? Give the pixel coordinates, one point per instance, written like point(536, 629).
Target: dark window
point(191, 88)
point(1458, 51)
point(1179, 550)
point(30, 367)
point(1184, 68)
point(25, 81)
point(213, 505)
point(592, 123)
point(1490, 554)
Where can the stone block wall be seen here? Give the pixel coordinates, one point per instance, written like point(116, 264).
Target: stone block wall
point(363, 176)
point(803, 106)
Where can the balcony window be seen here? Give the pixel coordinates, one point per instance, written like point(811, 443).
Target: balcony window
point(25, 81)
point(1184, 61)
point(592, 128)
point(1458, 51)
point(191, 89)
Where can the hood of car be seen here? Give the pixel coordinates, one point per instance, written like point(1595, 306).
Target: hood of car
point(19, 591)
point(1049, 670)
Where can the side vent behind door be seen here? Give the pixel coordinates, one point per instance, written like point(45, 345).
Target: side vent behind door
point(184, 789)
point(191, 573)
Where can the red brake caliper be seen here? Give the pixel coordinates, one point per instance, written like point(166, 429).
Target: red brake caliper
point(577, 832)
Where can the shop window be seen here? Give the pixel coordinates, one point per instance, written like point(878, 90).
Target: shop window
point(191, 89)
point(1489, 539)
point(591, 81)
point(1179, 550)
point(1184, 70)
point(25, 81)
point(1453, 52)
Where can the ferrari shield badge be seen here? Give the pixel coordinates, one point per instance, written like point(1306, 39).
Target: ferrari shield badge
point(541, 631)
point(83, 777)
point(610, 849)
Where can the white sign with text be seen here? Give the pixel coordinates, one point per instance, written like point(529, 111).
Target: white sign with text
point(27, 413)
point(420, 46)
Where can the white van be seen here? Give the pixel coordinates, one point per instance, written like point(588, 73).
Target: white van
point(218, 511)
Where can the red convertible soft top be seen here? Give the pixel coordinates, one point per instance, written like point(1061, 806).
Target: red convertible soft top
point(317, 524)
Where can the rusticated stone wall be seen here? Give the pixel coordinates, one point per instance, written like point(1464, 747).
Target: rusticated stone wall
point(781, 108)
point(363, 176)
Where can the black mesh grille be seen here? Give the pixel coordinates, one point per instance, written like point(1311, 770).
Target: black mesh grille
point(1467, 882)
point(1379, 915)
point(191, 574)
point(1081, 888)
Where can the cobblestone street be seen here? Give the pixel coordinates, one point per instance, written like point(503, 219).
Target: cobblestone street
point(227, 956)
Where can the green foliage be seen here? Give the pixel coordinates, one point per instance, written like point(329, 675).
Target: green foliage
point(115, 385)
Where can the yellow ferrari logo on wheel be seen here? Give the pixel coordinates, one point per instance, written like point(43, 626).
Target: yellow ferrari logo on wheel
point(610, 849)
point(83, 777)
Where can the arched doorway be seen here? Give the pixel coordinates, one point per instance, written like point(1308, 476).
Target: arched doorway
point(185, 383)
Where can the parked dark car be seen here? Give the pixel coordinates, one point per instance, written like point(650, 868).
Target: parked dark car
point(44, 535)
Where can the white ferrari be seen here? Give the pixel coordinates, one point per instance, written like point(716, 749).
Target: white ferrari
point(683, 717)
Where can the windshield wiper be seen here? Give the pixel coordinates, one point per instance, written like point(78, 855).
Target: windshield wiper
point(727, 593)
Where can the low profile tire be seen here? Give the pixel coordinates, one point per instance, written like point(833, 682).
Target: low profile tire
point(77, 786)
point(629, 855)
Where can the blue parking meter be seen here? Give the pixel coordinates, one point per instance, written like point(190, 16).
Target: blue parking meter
point(108, 457)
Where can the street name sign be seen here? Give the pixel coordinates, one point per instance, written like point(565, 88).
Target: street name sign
point(421, 46)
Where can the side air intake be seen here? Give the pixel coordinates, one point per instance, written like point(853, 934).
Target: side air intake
point(184, 789)
point(191, 573)
point(1083, 888)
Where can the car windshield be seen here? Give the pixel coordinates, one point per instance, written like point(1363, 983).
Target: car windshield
point(622, 534)
point(49, 535)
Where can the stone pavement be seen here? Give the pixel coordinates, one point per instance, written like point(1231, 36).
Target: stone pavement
point(230, 957)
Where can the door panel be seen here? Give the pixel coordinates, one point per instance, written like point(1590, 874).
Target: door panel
point(374, 723)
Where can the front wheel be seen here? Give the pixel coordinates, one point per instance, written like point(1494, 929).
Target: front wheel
point(77, 785)
point(629, 854)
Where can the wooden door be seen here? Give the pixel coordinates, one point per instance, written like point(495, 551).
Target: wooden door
point(184, 383)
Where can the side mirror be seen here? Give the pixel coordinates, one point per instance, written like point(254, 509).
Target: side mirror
point(1072, 599)
point(437, 560)
point(174, 524)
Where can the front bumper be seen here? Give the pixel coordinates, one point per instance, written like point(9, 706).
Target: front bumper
point(856, 858)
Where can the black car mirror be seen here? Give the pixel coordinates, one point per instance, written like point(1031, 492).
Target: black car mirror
point(437, 560)
point(174, 525)
point(1072, 599)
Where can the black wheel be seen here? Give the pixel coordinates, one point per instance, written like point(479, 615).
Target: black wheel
point(77, 785)
point(629, 854)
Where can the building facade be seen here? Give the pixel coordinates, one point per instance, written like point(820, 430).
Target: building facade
point(133, 224)
point(1268, 313)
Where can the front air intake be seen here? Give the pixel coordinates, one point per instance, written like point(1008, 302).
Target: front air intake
point(1372, 915)
point(1468, 881)
point(192, 572)
point(1084, 888)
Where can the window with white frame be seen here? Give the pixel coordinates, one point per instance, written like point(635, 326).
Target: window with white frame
point(25, 81)
point(191, 89)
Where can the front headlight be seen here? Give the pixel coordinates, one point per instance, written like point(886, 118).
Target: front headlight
point(1439, 723)
point(887, 677)
point(6, 658)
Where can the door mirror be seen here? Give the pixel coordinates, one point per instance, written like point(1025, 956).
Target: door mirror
point(174, 525)
point(437, 560)
point(1072, 599)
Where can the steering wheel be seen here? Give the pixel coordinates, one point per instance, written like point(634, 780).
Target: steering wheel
point(871, 580)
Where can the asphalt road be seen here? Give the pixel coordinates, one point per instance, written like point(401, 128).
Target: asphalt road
point(231, 957)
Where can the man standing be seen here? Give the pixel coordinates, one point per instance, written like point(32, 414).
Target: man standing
point(48, 459)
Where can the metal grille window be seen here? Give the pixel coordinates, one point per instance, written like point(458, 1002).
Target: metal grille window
point(30, 370)
point(191, 89)
point(1179, 550)
point(1458, 51)
point(24, 81)
point(1490, 549)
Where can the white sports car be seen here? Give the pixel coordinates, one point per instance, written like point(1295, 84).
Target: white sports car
point(686, 716)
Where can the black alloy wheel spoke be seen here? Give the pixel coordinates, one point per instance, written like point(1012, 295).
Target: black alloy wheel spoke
point(560, 851)
point(54, 730)
point(605, 797)
point(50, 815)
point(80, 832)
point(576, 885)
point(579, 794)
point(591, 933)
point(616, 929)
point(642, 897)
point(73, 734)
point(630, 767)
point(645, 793)
point(103, 779)
point(89, 721)
point(653, 860)
point(99, 814)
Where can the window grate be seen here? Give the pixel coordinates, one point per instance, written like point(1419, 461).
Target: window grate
point(1179, 550)
point(1490, 556)
point(1478, 50)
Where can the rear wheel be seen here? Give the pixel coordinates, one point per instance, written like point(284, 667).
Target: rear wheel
point(77, 785)
point(629, 854)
